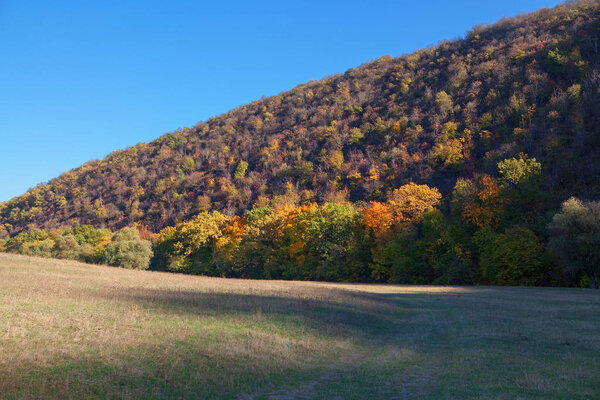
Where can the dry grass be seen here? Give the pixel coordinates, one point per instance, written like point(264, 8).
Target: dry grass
point(71, 330)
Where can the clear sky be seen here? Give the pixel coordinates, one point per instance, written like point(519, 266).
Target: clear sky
point(79, 79)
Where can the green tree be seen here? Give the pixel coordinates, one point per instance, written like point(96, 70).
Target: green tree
point(88, 234)
point(443, 247)
point(39, 248)
point(518, 171)
point(325, 243)
point(128, 250)
point(521, 184)
point(400, 262)
point(36, 242)
point(514, 257)
point(444, 103)
point(188, 164)
point(575, 239)
point(66, 247)
point(464, 193)
point(263, 250)
point(435, 251)
point(240, 170)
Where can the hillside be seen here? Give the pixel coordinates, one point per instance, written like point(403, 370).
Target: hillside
point(524, 85)
point(71, 330)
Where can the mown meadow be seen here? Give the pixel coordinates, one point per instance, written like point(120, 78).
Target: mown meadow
point(73, 330)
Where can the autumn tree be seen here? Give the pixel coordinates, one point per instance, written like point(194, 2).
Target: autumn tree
point(486, 210)
point(409, 202)
point(378, 219)
point(189, 246)
point(395, 222)
point(226, 254)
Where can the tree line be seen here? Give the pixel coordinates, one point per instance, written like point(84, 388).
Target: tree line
point(493, 230)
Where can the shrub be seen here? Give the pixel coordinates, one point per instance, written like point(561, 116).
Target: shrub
point(66, 246)
point(128, 250)
point(39, 248)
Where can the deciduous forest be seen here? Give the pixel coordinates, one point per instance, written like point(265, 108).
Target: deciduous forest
point(475, 161)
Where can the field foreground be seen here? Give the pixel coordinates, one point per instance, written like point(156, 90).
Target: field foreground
point(71, 330)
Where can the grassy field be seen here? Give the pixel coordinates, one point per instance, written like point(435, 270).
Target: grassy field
point(70, 330)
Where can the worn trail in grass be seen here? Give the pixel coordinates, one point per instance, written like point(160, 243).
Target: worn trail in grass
point(70, 330)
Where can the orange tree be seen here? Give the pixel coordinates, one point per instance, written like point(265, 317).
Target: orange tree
point(394, 220)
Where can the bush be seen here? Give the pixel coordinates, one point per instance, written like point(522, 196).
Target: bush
point(27, 242)
point(128, 250)
point(38, 248)
point(66, 246)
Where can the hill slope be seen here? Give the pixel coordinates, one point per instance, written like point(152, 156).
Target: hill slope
point(529, 84)
point(71, 330)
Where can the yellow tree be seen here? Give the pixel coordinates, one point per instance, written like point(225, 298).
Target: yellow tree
point(227, 245)
point(189, 246)
point(409, 202)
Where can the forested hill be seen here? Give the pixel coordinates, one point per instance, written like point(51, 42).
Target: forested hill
point(523, 85)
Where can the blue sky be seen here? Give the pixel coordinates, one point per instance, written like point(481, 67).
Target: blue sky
point(79, 79)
